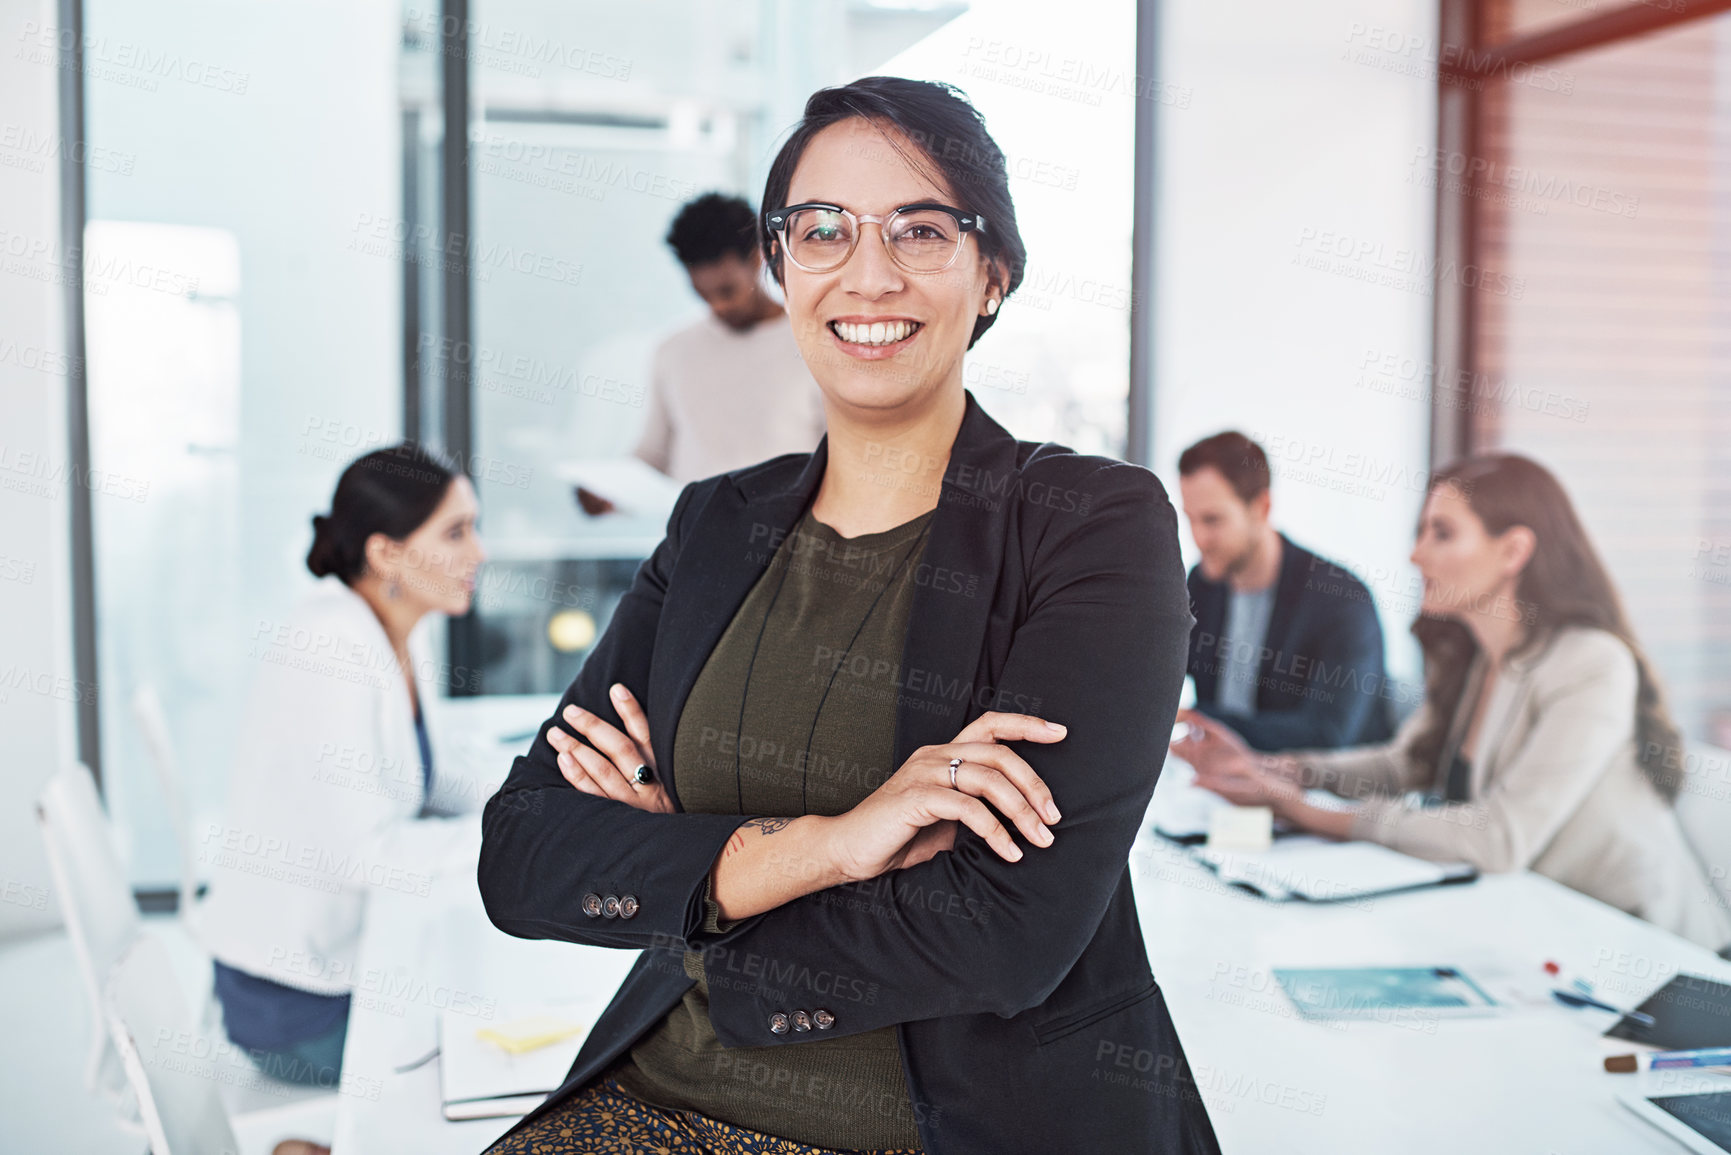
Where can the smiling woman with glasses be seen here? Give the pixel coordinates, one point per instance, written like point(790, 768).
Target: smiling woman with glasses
point(860, 759)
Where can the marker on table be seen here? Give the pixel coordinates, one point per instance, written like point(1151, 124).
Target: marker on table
point(1660, 1060)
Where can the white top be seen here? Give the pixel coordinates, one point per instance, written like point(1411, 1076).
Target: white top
point(720, 399)
point(327, 772)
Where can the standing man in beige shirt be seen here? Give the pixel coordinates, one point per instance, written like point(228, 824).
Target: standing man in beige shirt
point(732, 389)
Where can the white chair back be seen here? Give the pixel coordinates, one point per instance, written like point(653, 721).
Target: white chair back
point(172, 1068)
point(152, 722)
point(101, 917)
point(1704, 811)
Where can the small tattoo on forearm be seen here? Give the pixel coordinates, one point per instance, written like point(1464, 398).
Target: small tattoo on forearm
point(736, 840)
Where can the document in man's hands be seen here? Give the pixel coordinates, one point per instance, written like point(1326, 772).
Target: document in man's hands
point(633, 487)
point(1318, 870)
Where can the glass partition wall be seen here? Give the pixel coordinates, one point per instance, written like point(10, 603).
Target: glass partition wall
point(244, 342)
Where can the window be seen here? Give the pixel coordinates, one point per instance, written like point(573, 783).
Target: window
point(1601, 189)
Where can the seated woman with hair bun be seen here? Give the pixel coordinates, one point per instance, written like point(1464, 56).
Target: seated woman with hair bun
point(339, 749)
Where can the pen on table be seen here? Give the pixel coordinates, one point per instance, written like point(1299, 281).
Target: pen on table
point(1580, 984)
point(1582, 996)
point(1576, 999)
point(1660, 1060)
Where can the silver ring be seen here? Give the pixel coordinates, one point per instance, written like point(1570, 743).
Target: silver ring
point(643, 775)
point(955, 764)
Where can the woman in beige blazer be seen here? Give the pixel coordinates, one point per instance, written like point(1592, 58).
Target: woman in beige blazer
point(1542, 742)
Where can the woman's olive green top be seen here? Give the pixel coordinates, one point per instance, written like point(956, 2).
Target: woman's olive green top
point(794, 713)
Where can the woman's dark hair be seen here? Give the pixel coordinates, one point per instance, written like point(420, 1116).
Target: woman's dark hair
point(952, 138)
point(1563, 584)
point(392, 491)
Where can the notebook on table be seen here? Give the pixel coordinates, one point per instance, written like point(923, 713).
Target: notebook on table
point(497, 1070)
point(1312, 869)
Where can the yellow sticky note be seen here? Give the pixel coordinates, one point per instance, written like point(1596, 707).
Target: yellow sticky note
point(1241, 828)
point(530, 1033)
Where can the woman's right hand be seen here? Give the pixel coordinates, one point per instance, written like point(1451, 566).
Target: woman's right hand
point(1213, 748)
point(914, 815)
point(606, 768)
point(1225, 764)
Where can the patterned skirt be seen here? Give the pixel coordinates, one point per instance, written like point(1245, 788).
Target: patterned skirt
point(603, 1120)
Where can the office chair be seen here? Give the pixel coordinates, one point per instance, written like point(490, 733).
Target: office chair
point(171, 1067)
point(175, 1069)
point(101, 918)
point(152, 722)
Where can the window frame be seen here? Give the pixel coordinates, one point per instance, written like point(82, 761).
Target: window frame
point(1472, 57)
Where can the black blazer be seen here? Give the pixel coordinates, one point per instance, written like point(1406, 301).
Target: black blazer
point(1028, 1016)
point(1320, 679)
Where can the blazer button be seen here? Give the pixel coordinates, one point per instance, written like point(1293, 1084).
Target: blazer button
point(610, 906)
point(823, 1019)
point(801, 1021)
point(592, 905)
point(778, 1024)
point(628, 906)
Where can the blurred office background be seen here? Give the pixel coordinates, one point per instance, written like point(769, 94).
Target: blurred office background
point(1316, 223)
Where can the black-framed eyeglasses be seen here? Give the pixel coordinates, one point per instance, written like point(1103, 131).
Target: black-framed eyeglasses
point(920, 238)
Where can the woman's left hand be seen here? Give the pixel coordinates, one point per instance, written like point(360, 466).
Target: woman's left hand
point(607, 767)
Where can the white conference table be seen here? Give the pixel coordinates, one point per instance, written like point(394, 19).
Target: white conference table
point(1527, 1080)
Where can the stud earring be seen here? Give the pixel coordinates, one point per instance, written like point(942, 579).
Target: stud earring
point(991, 306)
